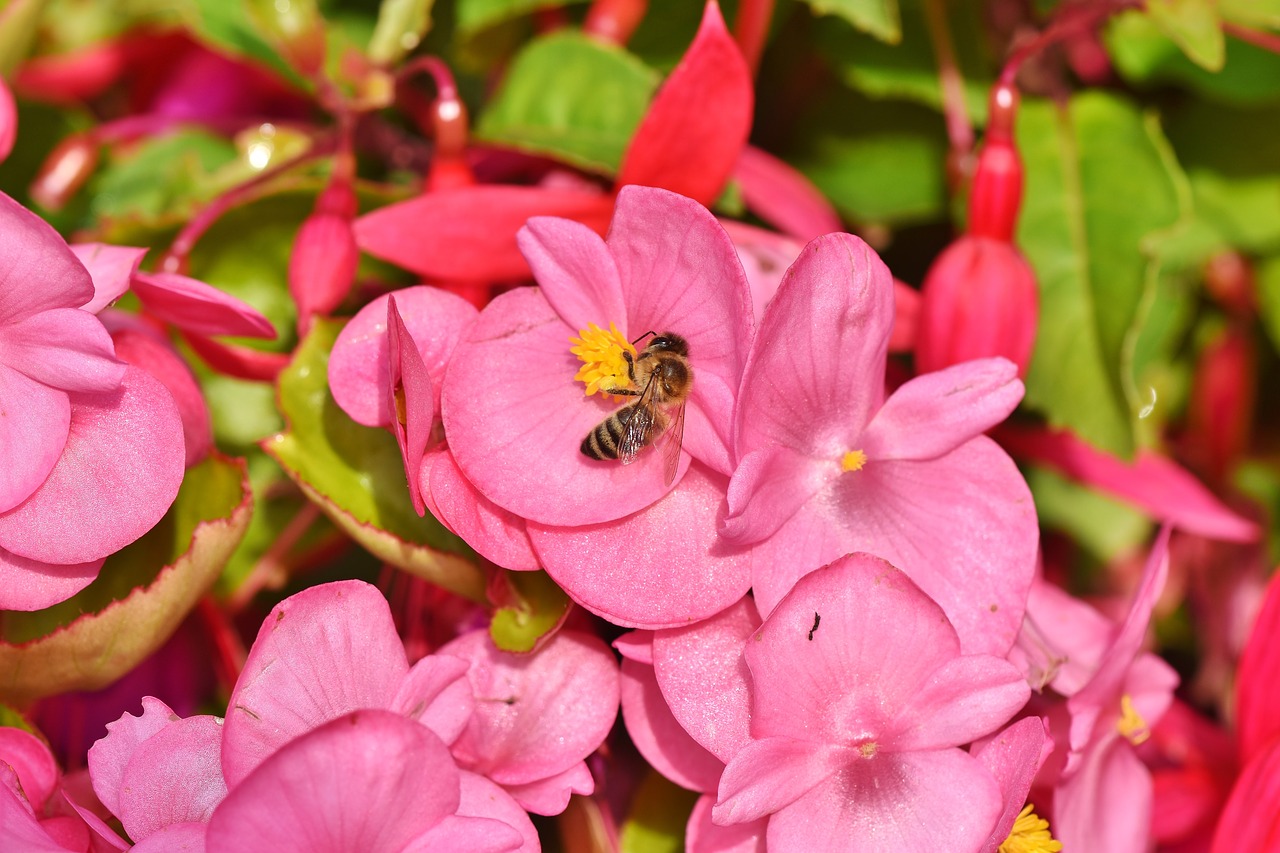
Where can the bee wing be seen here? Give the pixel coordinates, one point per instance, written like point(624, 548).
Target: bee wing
point(644, 414)
point(671, 440)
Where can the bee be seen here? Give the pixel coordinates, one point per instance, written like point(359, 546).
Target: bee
point(661, 379)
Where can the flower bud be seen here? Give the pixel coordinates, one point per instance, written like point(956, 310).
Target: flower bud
point(1222, 400)
point(8, 120)
point(997, 184)
point(64, 171)
point(323, 264)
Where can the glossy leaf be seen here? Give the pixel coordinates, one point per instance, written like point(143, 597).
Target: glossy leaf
point(229, 27)
point(401, 26)
point(1195, 27)
point(355, 474)
point(140, 597)
point(161, 181)
point(18, 22)
point(476, 15)
point(541, 606)
point(880, 18)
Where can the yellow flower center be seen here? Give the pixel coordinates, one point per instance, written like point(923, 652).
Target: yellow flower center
point(603, 365)
point(853, 461)
point(1030, 834)
point(1131, 725)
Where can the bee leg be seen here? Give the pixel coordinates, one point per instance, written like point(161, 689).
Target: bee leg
point(631, 366)
point(622, 392)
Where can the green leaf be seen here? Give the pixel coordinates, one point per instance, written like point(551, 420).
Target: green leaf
point(18, 21)
point(229, 27)
point(877, 17)
point(476, 15)
point(1251, 13)
point(572, 97)
point(1097, 185)
point(1194, 26)
point(356, 475)
point(138, 600)
point(1268, 280)
point(400, 28)
point(540, 606)
point(659, 812)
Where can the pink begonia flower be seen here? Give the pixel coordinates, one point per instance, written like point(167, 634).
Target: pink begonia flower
point(842, 715)
point(1013, 756)
point(515, 412)
point(8, 121)
point(827, 466)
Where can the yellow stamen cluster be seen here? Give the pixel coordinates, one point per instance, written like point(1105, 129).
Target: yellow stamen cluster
point(1030, 834)
point(853, 461)
point(603, 367)
point(1131, 725)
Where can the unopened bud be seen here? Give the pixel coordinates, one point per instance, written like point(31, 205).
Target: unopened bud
point(323, 264)
point(65, 170)
point(1223, 394)
point(8, 120)
point(1230, 281)
point(996, 195)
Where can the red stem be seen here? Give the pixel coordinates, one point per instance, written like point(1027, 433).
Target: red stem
point(272, 568)
point(959, 128)
point(1266, 41)
point(1070, 21)
point(229, 651)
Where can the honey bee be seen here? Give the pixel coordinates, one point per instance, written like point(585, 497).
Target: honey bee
point(661, 378)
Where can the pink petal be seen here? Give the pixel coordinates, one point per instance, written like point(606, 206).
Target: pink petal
point(909, 801)
point(575, 271)
point(1013, 757)
point(963, 700)
point(140, 347)
point(816, 372)
point(782, 196)
point(470, 233)
point(33, 432)
point(1106, 804)
point(321, 653)
point(435, 319)
point(64, 348)
point(30, 758)
point(550, 796)
point(1258, 680)
point(19, 828)
point(111, 268)
point(705, 679)
point(437, 694)
point(661, 567)
point(1151, 482)
point(636, 646)
point(538, 714)
point(765, 257)
point(483, 799)
point(659, 737)
point(515, 419)
point(698, 122)
point(1251, 818)
point(240, 362)
point(935, 413)
point(194, 306)
point(37, 271)
point(768, 775)
point(408, 375)
point(109, 758)
point(174, 776)
point(703, 836)
point(475, 835)
point(495, 534)
point(118, 474)
point(323, 263)
point(370, 781)
point(8, 121)
point(175, 838)
point(32, 585)
point(768, 487)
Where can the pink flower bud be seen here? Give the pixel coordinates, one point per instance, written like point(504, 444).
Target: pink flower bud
point(8, 120)
point(323, 264)
point(1230, 280)
point(978, 300)
point(1222, 400)
point(997, 184)
point(64, 171)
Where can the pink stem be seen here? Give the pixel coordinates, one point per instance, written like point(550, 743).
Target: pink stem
point(272, 568)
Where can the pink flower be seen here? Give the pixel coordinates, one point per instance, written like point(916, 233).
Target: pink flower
point(8, 121)
point(827, 466)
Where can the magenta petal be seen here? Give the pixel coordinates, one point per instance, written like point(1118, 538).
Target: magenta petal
point(64, 348)
point(769, 775)
point(539, 714)
point(1106, 803)
point(19, 828)
point(658, 568)
point(495, 534)
point(659, 737)
point(767, 488)
point(109, 758)
point(966, 698)
point(321, 653)
point(8, 121)
point(816, 372)
point(782, 196)
point(472, 834)
point(33, 585)
point(408, 375)
point(370, 781)
point(174, 776)
point(1251, 818)
point(703, 836)
point(935, 413)
point(437, 694)
point(913, 801)
point(175, 838)
point(31, 760)
point(194, 306)
point(118, 474)
point(575, 271)
point(515, 419)
point(33, 432)
point(110, 267)
point(37, 270)
point(550, 796)
point(484, 799)
point(705, 679)
point(1013, 757)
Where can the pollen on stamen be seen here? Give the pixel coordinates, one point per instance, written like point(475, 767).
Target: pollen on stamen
point(853, 461)
point(600, 351)
point(1131, 725)
point(1030, 834)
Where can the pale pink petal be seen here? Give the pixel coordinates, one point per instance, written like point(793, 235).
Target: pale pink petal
point(550, 796)
point(110, 756)
point(920, 801)
point(575, 271)
point(659, 737)
point(358, 364)
point(31, 760)
point(935, 413)
point(118, 474)
point(768, 487)
point(472, 834)
point(176, 838)
point(110, 267)
point(8, 120)
point(659, 568)
point(37, 270)
point(636, 646)
point(142, 348)
point(1106, 804)
point(370, 781)
point(965, 699)
point(482, 798)
point(409, 381)
point(1013, 756)
point(768, 775)
point(33, 432)
point(173, 777)
point(437, 694)
point(515, 420)
point(782, 196)
point(537, 714)
point(64, 348)
point(703, 836)
point(705, 679)
point(194, 306)
point(816, 373)
point(496, 534)
point(32, 585)
point(19, 829)
point(321, 653)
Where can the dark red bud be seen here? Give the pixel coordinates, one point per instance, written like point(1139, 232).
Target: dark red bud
point(64, 171)
point(1230, 281)
point(996, 195)
point(614, 21)
point(1223, 394)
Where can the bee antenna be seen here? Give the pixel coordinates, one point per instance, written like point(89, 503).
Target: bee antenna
point(645, 335)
